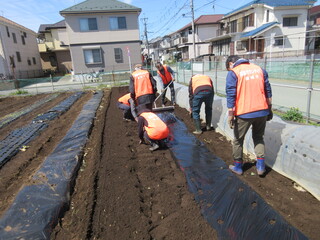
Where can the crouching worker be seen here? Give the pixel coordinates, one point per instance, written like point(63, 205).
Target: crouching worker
point(152, 129)
point(126, 104)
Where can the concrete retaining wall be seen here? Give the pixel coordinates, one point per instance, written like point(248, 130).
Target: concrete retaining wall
point(292, 150)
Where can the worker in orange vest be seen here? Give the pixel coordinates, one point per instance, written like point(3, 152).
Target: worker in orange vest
point(201, 91)
point(143, 88)
point(126, 104)
point(249, 98)
point(152, 129)
point(167, 76)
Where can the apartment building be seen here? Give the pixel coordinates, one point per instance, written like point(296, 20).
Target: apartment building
point(19, 55)
point(103, 35)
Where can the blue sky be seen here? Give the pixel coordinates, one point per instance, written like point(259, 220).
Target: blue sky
point(162, 16)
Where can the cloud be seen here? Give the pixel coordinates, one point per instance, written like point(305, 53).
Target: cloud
point(128, 1)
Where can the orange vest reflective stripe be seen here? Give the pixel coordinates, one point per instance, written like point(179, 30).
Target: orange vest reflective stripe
point(156, 128)
point(166, 78)
point(200, 80)
point(250, 89)
point(142, 83)
point(125, 99)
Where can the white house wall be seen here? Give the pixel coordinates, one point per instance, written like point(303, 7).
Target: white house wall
point(103, 34)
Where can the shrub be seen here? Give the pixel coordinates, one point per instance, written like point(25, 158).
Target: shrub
point(293, 114)
point(19, 92)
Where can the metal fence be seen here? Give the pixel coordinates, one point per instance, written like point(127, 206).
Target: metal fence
point(295, 82)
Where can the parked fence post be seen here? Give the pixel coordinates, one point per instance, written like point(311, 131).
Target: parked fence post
point(216, 76)
point(51, 82)
point(310, 86)
point(191, 64)
point(184, 77)
point(265, 62)
point(203, 66)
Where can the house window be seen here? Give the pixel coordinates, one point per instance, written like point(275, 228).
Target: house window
point(88, 24)
point(117, 23)
point(248, 21)
point(242, 45)
point(278, 41)
point(34, 61)
point(233, 26)
point(53, 61)
point(29, 62)
point(25, 34)
point(290, 21)
point(23, 41)
point(92, 56)
point(14, 37)
point(18, 56)
point(268, 16)
point(118, 55)
point(8, 33)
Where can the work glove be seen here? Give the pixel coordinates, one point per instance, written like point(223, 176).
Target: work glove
point(270, 115)
point(231, 119)
point(142, 141)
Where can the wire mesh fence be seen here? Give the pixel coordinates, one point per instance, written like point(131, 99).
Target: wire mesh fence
point(295, 82)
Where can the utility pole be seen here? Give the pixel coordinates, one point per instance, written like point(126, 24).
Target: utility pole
point(193, 35)
point(146, 34)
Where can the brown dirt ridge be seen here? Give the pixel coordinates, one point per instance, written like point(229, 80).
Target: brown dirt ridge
point(124, 191)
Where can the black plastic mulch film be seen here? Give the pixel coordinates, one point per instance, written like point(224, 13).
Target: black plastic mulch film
point(22, 136)
point(13, 116)
point(231, 207)
point(36, 208)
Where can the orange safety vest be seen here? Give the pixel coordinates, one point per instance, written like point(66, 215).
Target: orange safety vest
point(125, 99)
point(156, 128)
point(167, 77)
point(142, 83)
point(200, 80)
point(250, 89)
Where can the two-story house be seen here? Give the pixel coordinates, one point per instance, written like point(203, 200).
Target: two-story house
point(53, 46)
point(264, 26)
point(19, 55)
point(205, 27)
point(313, 35)
point(103, 35)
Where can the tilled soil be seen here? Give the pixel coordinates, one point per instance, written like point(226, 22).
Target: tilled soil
point(124, 191)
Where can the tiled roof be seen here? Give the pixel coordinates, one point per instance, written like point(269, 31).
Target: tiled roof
point(100, 6)
point(258, 30)
point(204, 19)
point(6, 21)
point(45, 27)
point(315, 9)
point(275, 3)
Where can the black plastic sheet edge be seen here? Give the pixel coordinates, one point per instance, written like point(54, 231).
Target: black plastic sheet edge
point(37, 208)
point(230, 206)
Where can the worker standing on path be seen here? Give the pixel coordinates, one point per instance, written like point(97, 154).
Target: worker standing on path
point(152, 130)
point(201, 90)
point(167, 76)
point(126, 104)
point(143, 88)
point(249, 104)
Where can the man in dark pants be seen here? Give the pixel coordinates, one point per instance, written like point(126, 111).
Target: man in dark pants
point(143, 88)
point(167, 76)
point(126, 104)
point(201, 90)
point(249, 104)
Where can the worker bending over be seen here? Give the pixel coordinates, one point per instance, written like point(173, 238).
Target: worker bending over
point(126, 104)
point(167, 76)
point(152, 130)
point(201, 90)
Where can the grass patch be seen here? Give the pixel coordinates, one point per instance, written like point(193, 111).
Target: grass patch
point(19, 92)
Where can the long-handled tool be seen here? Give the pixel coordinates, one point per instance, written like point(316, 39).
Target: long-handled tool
point(166, 108)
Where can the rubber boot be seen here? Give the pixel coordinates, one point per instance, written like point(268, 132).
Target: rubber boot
point(208, 122)
point(154, 147)
point(237, 167)
point(197, 124)
point(261, 167)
